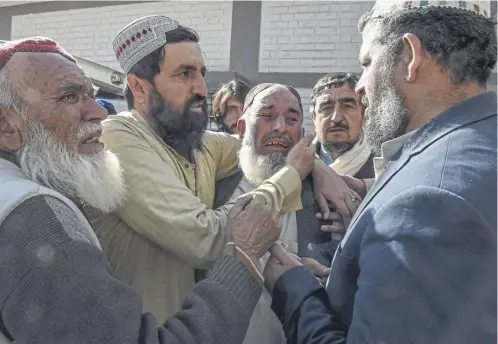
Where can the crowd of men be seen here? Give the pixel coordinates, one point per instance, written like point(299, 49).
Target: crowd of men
point(144, 227)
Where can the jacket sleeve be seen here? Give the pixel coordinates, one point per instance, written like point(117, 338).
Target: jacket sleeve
point(57, 288)
point(425, 276)
point(162, 208)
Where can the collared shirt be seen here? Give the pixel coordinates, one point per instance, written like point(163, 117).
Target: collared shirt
point(325, 155)
point(388, 150)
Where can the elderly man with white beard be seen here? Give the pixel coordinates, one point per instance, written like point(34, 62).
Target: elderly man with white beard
point(271, 125)
point(55, 282)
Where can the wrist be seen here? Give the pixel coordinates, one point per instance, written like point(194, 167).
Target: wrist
point(249, 261)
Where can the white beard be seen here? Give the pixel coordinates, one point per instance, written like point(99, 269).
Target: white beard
point(95, 180)
point(257, 168)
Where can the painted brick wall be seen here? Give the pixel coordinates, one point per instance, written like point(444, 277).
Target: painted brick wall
point(89, 32)
point(305, 94)
point(310, 36)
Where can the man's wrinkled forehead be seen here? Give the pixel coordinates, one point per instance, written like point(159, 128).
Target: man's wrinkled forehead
point(46, 72)
point(338, 94)
point(266, 97)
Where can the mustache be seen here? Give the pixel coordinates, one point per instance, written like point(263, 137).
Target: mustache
point(270, 136)
point(87, 129)
point(338, 125)
point(196, 98)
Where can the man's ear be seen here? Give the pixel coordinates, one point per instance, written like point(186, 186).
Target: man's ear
point(241, 127)
point(139, 87)
point(412, 56)
point(11, 130)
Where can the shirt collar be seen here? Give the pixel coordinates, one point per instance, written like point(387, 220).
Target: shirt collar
point(325, 155)
point(388, 150)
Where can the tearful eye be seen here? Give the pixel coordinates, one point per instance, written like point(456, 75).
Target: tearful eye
point(69, 97)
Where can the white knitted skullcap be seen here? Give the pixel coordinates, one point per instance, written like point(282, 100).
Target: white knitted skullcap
point(383, 7)
point(140, 38)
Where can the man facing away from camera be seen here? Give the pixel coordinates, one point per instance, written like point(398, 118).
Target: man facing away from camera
point(418, 262)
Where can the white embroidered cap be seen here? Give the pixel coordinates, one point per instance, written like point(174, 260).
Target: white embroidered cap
point(383, 7)
point(140, 38)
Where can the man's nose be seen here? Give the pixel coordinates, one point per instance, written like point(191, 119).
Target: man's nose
point(279, 125)
point(360, 88)
point(336, 116)
point(200, 87)
point(93, 110)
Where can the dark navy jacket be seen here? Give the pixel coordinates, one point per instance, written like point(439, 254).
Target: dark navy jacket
point(418, 262)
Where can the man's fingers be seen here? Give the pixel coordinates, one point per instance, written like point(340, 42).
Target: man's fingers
point(316, 268)
point(324, 206)
point(283, 256)
point(241, 203)
point(312, 147)
point(307, 139)
point(351, 203)
point(333, 216)
point(333, 228)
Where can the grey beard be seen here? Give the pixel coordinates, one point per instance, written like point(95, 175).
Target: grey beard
point(338, 148)
point(257, 168)
point(94, 180)
point(386, 114)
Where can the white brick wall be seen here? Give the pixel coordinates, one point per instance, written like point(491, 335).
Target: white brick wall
point(310, 36)
point(89, 32)
point(305, 94)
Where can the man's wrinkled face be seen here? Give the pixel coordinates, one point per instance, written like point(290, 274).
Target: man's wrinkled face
point(338, 119)
point(177, 103)
point(59, 95)
point(386, 116)
point(61, 128)
point(273, 125)
point(233, 112)
point(278, 120)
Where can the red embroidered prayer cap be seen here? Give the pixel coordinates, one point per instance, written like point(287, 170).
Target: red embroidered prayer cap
point(31, 44)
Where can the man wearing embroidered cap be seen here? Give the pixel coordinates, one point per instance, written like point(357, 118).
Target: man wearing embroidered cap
point(55, 283)
point(166, 227)
point(418, 262)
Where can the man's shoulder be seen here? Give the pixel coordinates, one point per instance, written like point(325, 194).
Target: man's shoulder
point(211, 138)
point(46, 218)
point(125, 122)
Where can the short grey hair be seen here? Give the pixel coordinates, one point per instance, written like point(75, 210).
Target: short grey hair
point(10, 96)
point(462, 43)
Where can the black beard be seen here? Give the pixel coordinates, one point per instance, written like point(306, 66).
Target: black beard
point(338, 148)
point(178, 127)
